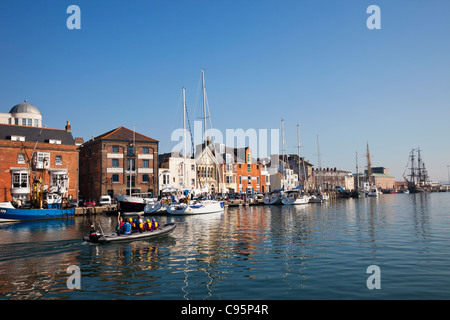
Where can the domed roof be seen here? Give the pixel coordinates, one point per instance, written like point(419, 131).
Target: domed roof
point(25, 108)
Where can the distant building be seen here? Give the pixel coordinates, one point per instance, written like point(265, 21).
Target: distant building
point(329, 178)
point(380, 178)
point(30, 151)
point(120, 161)
point(175, 172)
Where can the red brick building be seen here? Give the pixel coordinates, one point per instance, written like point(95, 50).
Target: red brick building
point(28, 152)
point(249, 178)
point(117, 162)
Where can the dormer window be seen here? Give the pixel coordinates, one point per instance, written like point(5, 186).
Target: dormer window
point(17, 138)
point(54, 141)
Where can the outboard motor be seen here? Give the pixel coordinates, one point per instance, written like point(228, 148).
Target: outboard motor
point(94, 235)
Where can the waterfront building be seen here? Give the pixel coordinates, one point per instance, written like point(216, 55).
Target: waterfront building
point(118, 162)
point(249, 177)
point(176, 172)
point(329, 178)
point(26, 150)
point(302, 168)
point(23, 114)
point(380, 177)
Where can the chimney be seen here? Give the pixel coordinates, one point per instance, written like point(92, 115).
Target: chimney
point(68, 127)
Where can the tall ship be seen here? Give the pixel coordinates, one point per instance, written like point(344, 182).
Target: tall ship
point(416, 175)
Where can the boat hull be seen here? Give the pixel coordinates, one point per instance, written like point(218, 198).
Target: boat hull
point(132, 204)
point(291, 200)
point(115, 237)
point(157, 208)
point(273, 201)
point(198, 208)
point(13, 214)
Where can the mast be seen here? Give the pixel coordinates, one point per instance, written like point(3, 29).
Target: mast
point(305, 180)
point(319, 184)
point(282, 152)
point(369, 166)
point(184, 138)
point(204, 124)
point(357, 173)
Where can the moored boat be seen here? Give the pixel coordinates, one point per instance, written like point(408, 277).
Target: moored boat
point(196, 207)
point(133, 203)
point(96, 236)
point(294, 197)
point(273, 198)
point(8, 214)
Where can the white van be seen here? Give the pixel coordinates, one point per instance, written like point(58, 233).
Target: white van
point(105, 200)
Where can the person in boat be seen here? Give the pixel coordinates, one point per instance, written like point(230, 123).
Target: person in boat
point(154, 224)
point(119, 223)
point(141, 225)
point(147, 225)
point(126, 228)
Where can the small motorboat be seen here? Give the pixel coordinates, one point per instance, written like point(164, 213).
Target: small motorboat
point(97, 236)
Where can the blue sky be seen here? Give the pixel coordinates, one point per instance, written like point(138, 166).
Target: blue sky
point(312, 62)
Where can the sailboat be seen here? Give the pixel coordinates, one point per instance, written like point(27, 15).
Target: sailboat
point(417, 180)
point(295, 195)
point(358, 193)
point(275, 197)
point(373, 190)
point(197, 206)
point(319, 196)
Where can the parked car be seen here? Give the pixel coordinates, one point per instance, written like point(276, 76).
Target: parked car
point(89, 203)
point(105, 200)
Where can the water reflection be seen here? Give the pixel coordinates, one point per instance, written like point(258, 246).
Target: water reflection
point(256, 252)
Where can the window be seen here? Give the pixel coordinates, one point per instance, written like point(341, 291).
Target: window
point(248, 157)
point(145, 164)
point(240, 179)
point(133, 181)
point(36, 123)
point(16, 121)
point(20, 180)
point(115, 149)
point(165, 178)
point(115, 178)
point(21, 158)
point(130, 151)
point(30, 122)
point(131, 164)
point(24, 122)
point(54, 141)
point(228, 179)
point(145, 150)
point(42, 160)
point(115, 163)
point(58, 160)
point(192, 166)
point(17, 138)
point(249, 168)
point(145, 178)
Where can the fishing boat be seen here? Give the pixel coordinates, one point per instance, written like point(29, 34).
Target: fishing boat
point(17, 214)
point(294, 197)
point(97, 236)
point(373, 192)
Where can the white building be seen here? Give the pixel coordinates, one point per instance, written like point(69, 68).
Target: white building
point(175, 172)
point(23, 114)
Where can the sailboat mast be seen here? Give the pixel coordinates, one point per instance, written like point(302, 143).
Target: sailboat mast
point(357, 173)
point(319, 163)
point(298, 151)
point(204, 124)
point(369, 166)
point(184, 138)
point(282, 152)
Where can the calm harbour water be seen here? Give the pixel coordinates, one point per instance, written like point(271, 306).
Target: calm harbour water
point(313, 251)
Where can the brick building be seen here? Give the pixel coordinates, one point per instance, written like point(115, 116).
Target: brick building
point(248, 173)
point(117, 162)
point(28, 152)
